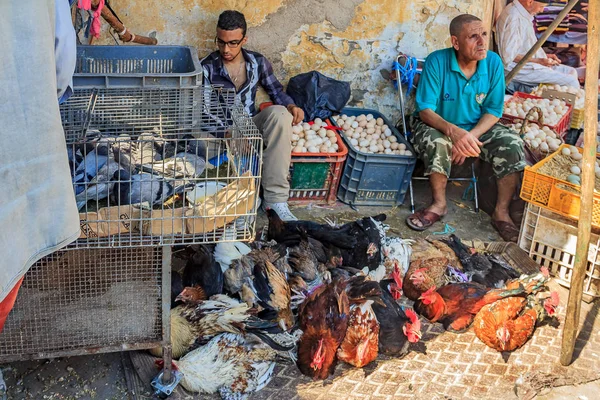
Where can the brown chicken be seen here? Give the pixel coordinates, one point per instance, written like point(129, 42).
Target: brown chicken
point(273, 292)
point(361, 343)
point(455, 305)
point(508, 324)
point(423, 274)
point(323, 318)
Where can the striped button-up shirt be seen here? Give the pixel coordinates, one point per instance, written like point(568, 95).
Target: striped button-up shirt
point(258, 71)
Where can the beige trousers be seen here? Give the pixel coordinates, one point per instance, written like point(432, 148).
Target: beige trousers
point(275, 124)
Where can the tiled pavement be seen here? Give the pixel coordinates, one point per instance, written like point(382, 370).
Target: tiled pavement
point(452, 366)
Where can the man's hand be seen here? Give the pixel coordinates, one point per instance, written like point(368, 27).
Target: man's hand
point(555, 59)
point(297, 113)
point(457, 158)
point(465, 143)
point(546, 62)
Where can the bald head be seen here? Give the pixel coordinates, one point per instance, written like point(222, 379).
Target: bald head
point(457, 24)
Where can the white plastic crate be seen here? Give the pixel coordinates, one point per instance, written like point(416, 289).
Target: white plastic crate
point(551, 241)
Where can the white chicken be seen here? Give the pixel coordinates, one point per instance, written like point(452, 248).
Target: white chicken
point(230, 364)
point(226, 252)
point(396, 249)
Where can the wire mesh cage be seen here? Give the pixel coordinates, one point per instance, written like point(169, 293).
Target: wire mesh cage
point(82, 301)
point(166, 165)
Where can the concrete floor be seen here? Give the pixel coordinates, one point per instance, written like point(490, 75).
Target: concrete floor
point(102, 376)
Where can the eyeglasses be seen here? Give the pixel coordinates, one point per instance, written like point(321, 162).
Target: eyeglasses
point(232, 44)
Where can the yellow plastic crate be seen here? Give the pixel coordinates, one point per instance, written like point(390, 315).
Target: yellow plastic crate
point(548, 192)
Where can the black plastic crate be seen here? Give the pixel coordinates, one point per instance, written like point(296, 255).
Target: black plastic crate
point(375, 179)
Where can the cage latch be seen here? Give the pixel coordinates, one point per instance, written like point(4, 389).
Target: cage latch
point(165, 389)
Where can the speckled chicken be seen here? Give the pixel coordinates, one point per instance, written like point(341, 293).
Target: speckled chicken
point(232, 365)
point(361, 343)
point(508, 324)
point(423, 274)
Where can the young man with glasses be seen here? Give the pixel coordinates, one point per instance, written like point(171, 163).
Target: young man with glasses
point(234, 67)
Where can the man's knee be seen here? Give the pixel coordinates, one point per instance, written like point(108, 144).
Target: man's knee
point(277, 114)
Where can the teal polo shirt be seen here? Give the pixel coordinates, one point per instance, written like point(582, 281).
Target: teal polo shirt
point(444, 89)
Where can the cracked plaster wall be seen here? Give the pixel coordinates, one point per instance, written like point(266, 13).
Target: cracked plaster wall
point(352, 40)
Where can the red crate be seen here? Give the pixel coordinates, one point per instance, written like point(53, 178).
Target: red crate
point(561, 128)
point(327, 169)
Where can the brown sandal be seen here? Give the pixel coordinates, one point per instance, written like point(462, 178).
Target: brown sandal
point(427, 218)
point(507, 230)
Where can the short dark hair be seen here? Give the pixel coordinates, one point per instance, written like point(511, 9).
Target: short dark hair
point(456, 25)
point(231, 20)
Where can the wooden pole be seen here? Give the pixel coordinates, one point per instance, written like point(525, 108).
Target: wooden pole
point(541, 40)
point(587, 184)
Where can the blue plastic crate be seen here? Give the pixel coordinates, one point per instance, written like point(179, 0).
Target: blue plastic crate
point(137, 67)
point(375, 179)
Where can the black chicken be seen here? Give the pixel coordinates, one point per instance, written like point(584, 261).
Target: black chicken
point(368, 235)
point(291, 232)
point(176, 287)
point(397, 328)
point(486, 269)
point(202, 270)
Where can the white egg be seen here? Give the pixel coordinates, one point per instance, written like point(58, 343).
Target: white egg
point(324, 148)
point(297, 149)
point(534, 144)
point(297, 128)
point(344, 117)
point(529, 136)
point(387, 132)
point(407, 153)
point(335, 146)
point(354, 124)
point(330, 133)
point(388, 151)
point(575, 170)
point(386, 144)
point(566, 151)
point(393, 139)
point(313, 149)
point(318, 121)
point(544, 147)
point(364, 143)
point(363, 150)
point(323, 132)
point(369, 117)
point(354, 142)
point(315, 127)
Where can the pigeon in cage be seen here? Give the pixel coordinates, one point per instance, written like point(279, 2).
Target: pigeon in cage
point(134, 153)
point(140, 188)
point(93, 161)
point(99, 187)
point(183, 165)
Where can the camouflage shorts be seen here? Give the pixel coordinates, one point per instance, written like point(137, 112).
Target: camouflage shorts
point(502, 148)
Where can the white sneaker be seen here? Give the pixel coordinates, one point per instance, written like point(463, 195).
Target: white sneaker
point(282, 210)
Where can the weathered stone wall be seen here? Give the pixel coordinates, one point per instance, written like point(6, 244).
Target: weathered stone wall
point(352, 40)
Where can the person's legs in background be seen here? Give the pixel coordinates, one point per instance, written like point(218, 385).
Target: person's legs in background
point(435, 149)
point(275, 125)
point(504, 150)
